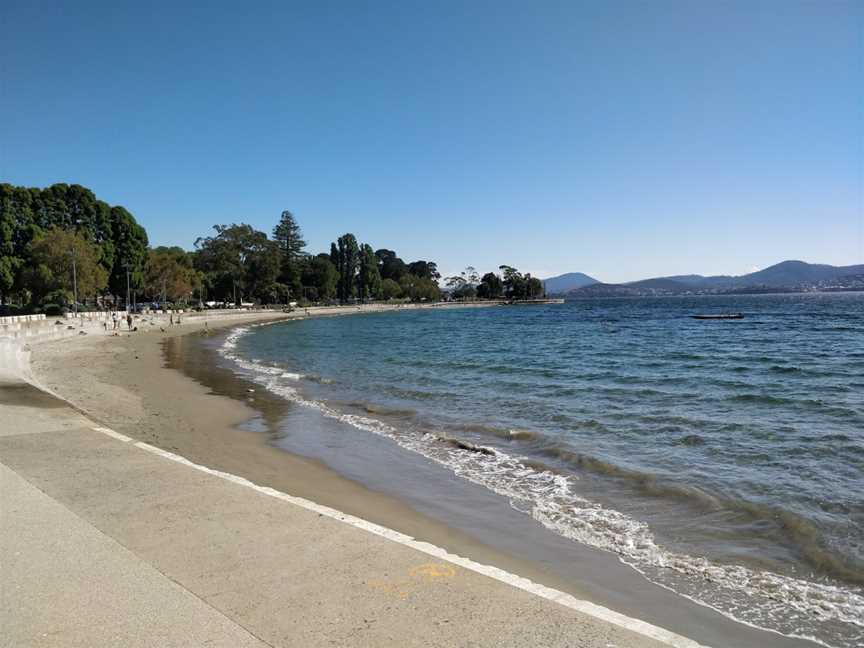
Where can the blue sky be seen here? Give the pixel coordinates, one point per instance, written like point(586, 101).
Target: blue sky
point(621, 139)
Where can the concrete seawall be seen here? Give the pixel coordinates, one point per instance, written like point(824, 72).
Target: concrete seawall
point(18, 332)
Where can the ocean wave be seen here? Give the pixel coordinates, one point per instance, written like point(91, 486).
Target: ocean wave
point(789, 605)
point(802, 403)
point(499, 432)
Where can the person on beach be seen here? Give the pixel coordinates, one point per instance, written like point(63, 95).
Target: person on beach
point(129, 321)
point(172, 319)
point(114, 318)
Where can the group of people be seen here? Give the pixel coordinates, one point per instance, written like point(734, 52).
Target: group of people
point(117, 321)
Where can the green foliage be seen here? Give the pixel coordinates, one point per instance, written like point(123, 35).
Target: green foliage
point(463, 285)
point(129, 242)
point(519, 286)
point(419, 288)
point(490, 287)
point(290, 243)
point(464, 292)
point(236, 262)
point(321, 277)
point(50, 275)
point(169, 274)
point(424, 270)
point(239, 262)
point(345, 255)
point(26, 213)
point(390, 266)
point(368, 278)
point(390, 289)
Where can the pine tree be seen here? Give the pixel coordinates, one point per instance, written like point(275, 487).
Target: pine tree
point(289, 238)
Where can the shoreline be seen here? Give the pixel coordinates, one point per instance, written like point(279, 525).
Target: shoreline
point(138, 390)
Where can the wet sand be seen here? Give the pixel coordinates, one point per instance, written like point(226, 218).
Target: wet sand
point(134, 384)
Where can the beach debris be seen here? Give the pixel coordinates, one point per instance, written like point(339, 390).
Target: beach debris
point(464, 445)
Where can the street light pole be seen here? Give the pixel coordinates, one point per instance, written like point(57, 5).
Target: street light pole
point(127, 265)
point(74, 280)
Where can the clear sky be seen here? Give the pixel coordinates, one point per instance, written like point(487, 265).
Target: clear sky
point(621, 139)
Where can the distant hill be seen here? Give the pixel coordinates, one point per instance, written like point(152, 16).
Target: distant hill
point(784, 276)
point(661, 283)
point(790, 274)
point(566, 282)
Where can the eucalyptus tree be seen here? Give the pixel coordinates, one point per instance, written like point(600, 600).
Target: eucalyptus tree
point(320, 277)
point(490, 286)
point(61, 263)
point(239, 260)
point(170, 274)
point(390, 266)
point(424, 270)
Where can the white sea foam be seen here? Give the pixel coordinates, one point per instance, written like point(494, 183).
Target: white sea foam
point(763, 599)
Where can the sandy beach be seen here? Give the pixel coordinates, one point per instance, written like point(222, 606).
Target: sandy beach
point(140, 385)
point(127, 383)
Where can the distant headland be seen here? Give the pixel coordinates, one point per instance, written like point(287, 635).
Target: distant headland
point(786, 276)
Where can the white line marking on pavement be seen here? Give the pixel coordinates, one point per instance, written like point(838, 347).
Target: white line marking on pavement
point(112, 433)
point(562, 598)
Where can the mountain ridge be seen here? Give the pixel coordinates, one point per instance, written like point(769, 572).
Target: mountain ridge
point(789, 275)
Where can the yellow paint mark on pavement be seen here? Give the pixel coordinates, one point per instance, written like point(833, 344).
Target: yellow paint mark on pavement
point(417, 576)
point(431, 572)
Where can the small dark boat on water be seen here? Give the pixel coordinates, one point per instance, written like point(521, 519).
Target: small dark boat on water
point(721, 316)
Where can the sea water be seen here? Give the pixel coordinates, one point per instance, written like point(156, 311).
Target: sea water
point(723, 459)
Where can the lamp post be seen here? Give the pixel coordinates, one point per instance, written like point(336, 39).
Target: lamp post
point(74, 281)
point(127, 265)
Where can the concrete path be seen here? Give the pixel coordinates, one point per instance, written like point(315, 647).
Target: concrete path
point(111, 543)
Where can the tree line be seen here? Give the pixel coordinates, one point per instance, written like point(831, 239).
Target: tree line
point(62, 241)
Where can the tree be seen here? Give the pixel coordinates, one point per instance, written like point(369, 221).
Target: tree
point(26, 213)
point(390, 289)
point(261, 276)
point(50, 273)
point(169, 274)
point(290, 241)
point(390, 266)
point(465, 292)
point(345, 255)
point(238, 260)
point(424, 270)
point(419, 288)
point(463, 285)
point(533, 287)
point(321, 277)
point(514, 282)
point(368, 278)
point(129, 243)
point(490, 286)
point(456, 282)
point(10, 262)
